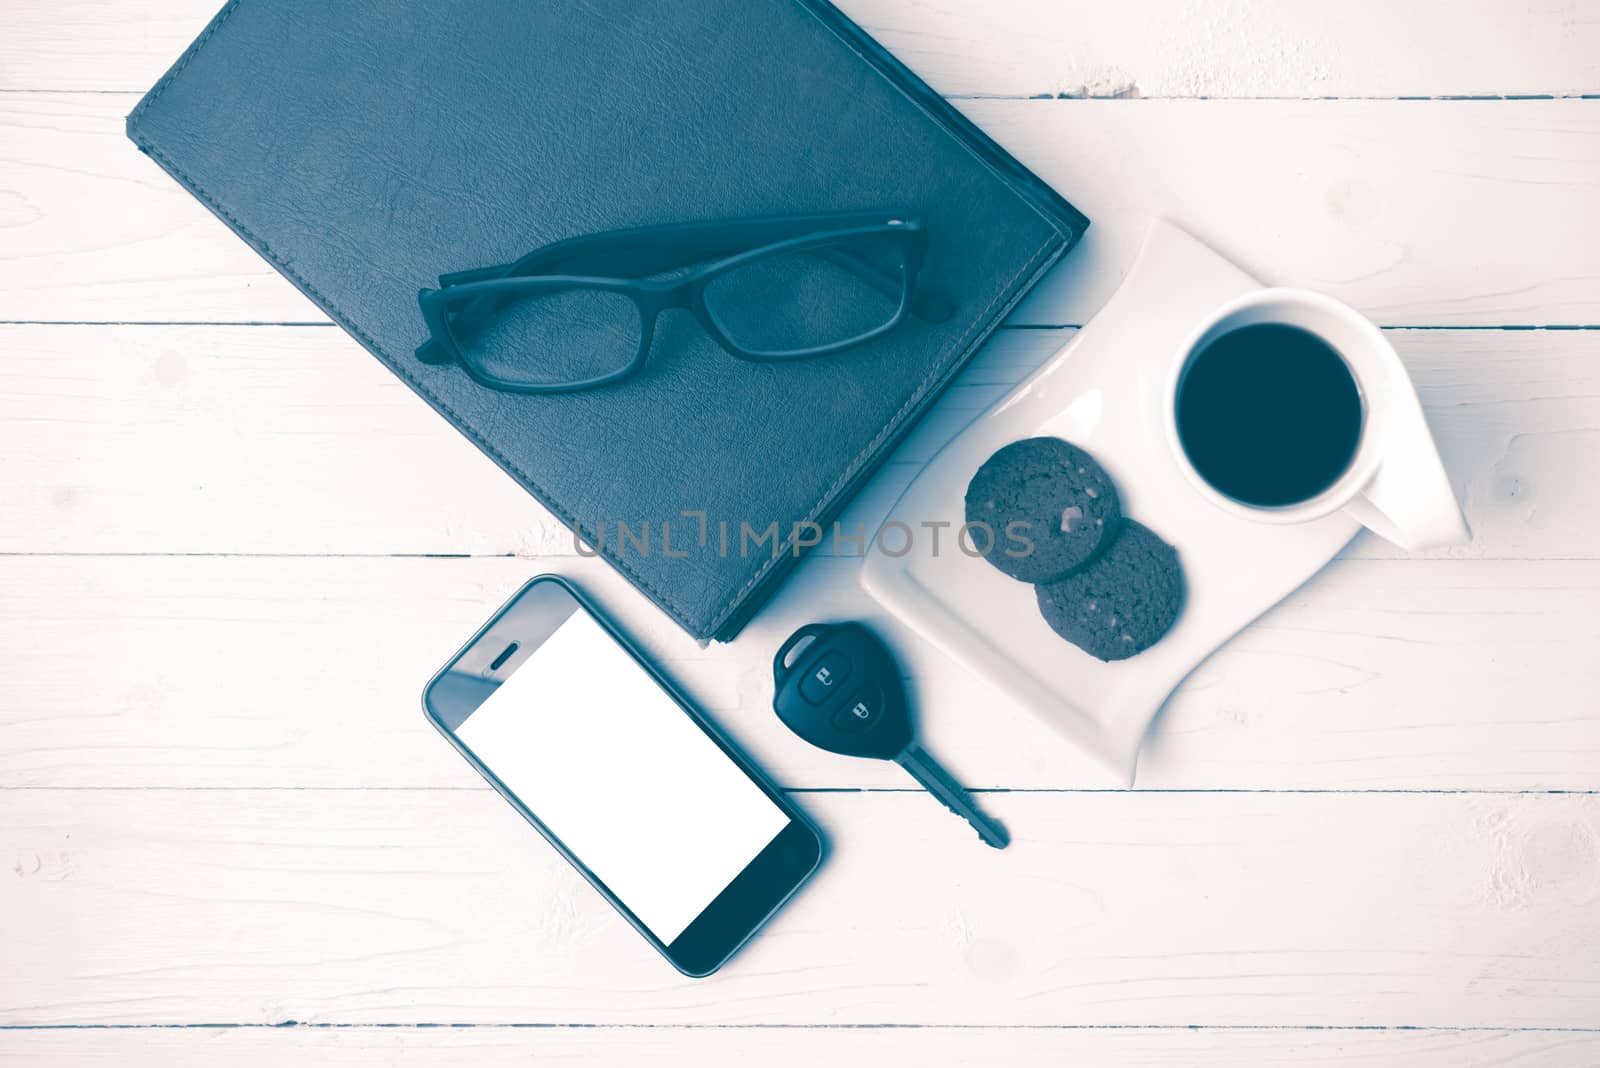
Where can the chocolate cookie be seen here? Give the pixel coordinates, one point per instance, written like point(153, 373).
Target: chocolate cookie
point(1123, 601)
point(1049, 506)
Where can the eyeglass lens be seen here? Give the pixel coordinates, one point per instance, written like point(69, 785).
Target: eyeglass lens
point(784, 304)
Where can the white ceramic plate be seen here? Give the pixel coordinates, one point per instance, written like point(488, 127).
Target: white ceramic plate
point(1102, 391)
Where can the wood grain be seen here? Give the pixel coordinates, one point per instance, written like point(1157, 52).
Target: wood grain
point(1108, 909)
point(294, 440)
point(293, 672)
point(785, 1047)
point(219, 802)
point(1418, 213)
point(1159, 48)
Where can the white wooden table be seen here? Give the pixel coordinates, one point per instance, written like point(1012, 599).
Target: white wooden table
point(232, 548)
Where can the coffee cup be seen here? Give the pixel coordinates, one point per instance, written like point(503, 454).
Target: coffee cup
point(1287, 406)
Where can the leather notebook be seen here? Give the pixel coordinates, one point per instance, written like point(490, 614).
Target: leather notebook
point(366, 147)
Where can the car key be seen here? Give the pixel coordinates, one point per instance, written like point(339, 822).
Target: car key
point(843, 693)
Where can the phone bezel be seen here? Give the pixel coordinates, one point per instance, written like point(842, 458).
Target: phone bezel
point(745, 904)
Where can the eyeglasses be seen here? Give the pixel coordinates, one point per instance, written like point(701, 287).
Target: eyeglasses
point(582, 312)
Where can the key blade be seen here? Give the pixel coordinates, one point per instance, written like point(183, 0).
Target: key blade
point(954, 797)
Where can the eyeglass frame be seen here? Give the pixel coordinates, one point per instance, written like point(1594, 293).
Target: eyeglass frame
point(683, 244)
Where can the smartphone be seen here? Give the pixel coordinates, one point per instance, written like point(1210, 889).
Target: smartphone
point(613, 765)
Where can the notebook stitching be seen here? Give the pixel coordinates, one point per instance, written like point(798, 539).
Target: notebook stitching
point(177, 68)
point(977, 156)
point(671, 604)
point(468, 428)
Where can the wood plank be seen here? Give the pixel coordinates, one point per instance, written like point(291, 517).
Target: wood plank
point(217, 672)
point(1257, 48)
point(294, 440)
point(492, 1047)
point(1429, 910)
point(1419, 213)
point(1161, 48)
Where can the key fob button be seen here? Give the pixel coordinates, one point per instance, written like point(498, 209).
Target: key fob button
point(824, 678)
point(844, 693)
point(860, 712)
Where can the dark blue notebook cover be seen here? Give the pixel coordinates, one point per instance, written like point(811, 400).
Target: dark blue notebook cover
point(367, 146)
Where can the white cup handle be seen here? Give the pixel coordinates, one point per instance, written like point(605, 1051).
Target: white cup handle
point(1409, 500)
point(1407, 515)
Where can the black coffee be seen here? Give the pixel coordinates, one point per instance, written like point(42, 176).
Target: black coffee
point(1269, 414)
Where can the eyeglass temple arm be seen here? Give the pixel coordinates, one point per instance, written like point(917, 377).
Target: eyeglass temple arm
point(480, 274)
point(886, 282)
point(431, 351)
point(580, 256)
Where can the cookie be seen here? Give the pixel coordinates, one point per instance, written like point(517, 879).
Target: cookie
point(1049, 506)
point(1123, 601)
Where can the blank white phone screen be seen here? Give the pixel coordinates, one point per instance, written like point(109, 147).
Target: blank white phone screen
point(588, 742)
